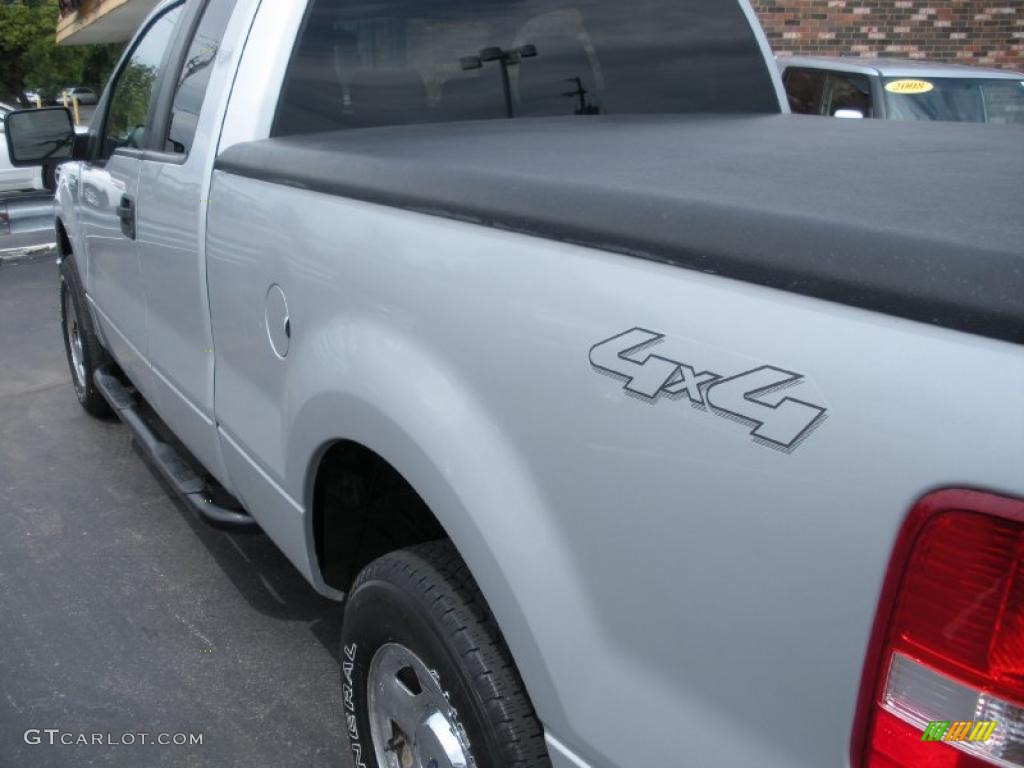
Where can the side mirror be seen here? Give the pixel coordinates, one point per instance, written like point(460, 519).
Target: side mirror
point(849, 114)
point(37, 136)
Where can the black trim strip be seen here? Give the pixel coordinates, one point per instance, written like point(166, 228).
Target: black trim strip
point(173, 466)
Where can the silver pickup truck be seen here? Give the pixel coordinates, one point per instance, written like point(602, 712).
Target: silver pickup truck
point(638, 424)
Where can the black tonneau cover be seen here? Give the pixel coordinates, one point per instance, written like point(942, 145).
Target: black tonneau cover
point(918, 220)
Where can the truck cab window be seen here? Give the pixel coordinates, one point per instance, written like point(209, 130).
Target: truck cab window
point(194, 77)
point(395, 62)
point(128, 114)
point(805, 89)
point(849, 91)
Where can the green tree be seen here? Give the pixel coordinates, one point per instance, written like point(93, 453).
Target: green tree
point(30, 57)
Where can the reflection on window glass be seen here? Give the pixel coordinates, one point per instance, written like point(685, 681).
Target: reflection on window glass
point(363, 63)
point(195, 76)
point(129, 105)
point(970, 100)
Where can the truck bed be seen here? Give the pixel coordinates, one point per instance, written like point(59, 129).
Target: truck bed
point(921, 221)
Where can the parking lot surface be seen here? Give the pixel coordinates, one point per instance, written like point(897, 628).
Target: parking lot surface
point(120, 613)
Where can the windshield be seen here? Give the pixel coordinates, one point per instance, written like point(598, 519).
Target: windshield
point(961, 99)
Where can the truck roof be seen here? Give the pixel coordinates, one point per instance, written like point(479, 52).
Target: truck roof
point(918, 220)
point(884, 67)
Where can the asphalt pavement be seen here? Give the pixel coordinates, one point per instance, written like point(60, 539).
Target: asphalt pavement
point(120, 614)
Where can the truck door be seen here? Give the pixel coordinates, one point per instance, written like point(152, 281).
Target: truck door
point(173, 180)
point(109, 198)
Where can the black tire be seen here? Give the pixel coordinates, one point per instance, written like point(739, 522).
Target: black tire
point(74, 317)
point(423, 600)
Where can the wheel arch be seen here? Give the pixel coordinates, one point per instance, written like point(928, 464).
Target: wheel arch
point(472, 504)
point(352, 486)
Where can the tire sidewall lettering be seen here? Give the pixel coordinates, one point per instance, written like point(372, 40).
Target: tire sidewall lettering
point(349, 688)
point(360, 642)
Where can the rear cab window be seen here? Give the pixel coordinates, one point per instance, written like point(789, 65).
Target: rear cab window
point(395, 62)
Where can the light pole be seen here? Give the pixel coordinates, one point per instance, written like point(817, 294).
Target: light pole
point(506, 59)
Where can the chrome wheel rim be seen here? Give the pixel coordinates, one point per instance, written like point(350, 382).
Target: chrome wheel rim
point(72, 332)
point(412, 722)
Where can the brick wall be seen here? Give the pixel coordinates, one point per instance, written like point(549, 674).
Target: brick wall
point(983, 32)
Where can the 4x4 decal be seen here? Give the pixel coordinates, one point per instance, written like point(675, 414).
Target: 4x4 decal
point(744, 397)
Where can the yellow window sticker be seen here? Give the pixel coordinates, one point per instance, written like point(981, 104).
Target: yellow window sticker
point(909, 86)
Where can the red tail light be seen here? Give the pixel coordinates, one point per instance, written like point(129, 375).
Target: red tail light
point(948, 641)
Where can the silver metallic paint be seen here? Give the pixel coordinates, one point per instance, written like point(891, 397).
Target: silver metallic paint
point(660, 578)
point(654, 571)
point(172, 206)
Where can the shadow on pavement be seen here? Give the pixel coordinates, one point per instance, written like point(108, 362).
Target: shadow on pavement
point(261, 573)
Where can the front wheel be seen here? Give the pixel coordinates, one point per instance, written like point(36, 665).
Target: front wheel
point(84, 352)
point(427, 679)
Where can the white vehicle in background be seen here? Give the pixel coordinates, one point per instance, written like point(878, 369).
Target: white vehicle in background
point(902, 89)
point(15, 179)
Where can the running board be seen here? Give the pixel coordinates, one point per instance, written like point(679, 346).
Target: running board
point(194, 490)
